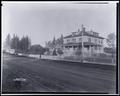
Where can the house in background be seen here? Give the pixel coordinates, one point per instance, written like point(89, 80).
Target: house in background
point(92, 42)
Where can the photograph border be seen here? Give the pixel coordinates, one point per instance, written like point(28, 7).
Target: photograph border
point(91, 93)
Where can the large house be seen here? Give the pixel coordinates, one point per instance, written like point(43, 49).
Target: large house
point(88, 42)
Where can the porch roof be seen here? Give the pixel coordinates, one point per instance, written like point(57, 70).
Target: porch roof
point(79, 44)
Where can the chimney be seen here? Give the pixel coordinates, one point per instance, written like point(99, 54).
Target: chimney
point(83, 28)
point(91, 32)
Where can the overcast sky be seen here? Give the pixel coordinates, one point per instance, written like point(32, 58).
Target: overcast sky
point(41, 22)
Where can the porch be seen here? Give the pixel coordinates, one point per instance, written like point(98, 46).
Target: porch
point(88, 49)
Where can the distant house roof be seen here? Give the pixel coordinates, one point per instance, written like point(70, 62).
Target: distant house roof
point(85, 43)
point(87, 33)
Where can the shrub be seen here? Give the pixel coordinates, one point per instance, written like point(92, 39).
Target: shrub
point(59, 51)
point(54, 52)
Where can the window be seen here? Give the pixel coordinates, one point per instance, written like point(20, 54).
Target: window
point(99, 48)
point(74, 40)
point(95, 47)
point(66, 46)
point(99, 41)
point(80, 39)
point(95, 34)
point(88, 48)
point(95, 40)
point(89, 39)
point(68, 40)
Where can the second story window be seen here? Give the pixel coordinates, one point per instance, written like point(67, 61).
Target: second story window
point(80, 39)
point(99, 48)
point(95, 40)
point(68, 40)
point(99, 41)
point(89, 39)
point(74, 40)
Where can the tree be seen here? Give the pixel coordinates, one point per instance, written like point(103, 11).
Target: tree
point(25, 44)
point(54, 52)
point(59, 51)
point(61, 39)
point(46, 49)
point(111, 40)
point(111, 43)
point(54, 42)
point(8, 41)
point(28, 42)
point(37, 49)
point(15, 42)
point(49, 44)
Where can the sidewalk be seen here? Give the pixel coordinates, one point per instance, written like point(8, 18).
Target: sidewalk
point(58, 58)
point(62, 59)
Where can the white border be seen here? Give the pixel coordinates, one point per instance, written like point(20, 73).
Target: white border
point(71, 2)
point(61, 2)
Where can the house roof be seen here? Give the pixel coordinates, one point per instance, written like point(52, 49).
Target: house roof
point(85, 43)
point(80, 34)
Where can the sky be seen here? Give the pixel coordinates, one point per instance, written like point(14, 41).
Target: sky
point(42, 21)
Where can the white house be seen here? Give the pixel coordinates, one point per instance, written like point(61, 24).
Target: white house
point(92, 42)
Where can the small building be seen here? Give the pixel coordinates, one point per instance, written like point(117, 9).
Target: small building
point(11, 51)
point(88, 42)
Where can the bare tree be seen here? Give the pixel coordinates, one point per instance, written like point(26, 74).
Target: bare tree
point(111, 43)
point(111, 40)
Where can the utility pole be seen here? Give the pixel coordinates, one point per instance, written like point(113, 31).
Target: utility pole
point(82, 45)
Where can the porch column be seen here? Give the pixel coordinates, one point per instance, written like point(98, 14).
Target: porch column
point(83, 50)
point(89, 50)
point(101, 49)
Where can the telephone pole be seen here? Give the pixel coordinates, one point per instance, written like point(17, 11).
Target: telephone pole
point(82, 45)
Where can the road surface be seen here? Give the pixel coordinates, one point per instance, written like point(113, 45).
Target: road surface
point(55, 76)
